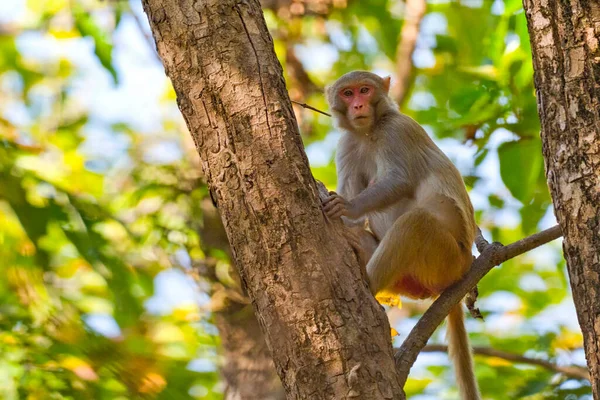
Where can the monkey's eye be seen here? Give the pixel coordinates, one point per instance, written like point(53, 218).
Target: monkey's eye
point(347, 92)
point(364, 90)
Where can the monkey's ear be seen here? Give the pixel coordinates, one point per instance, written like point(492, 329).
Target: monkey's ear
point(386, 84)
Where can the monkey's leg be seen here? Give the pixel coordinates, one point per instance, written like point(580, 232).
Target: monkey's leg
point(363, 243)
point(418, 257)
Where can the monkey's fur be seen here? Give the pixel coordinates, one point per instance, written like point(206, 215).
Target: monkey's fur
point(391, 173)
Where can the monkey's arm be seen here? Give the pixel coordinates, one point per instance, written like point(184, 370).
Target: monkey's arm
point(384, 192)
point(350, 184)
point(350, 177)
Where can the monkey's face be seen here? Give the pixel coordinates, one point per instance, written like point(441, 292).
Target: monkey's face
point(354, 100)
point(358, 101)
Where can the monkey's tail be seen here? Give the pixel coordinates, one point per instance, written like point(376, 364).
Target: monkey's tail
point(460, 353)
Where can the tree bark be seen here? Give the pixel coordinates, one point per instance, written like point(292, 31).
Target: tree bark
point(248, 368)
point(331, 338)
point(413, 15)
point(246, 364)
point(565, 39)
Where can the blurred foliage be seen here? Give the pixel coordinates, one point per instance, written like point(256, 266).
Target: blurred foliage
point(100, 193)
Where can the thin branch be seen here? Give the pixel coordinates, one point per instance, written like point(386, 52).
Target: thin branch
point(302, 86)
point(491, 255)
point(480, 242)
point(529, 243)
point(470, 300)
point(298, 73)
point(572, 371)
point(415, 10)
point(310, 107)
point(147, 37)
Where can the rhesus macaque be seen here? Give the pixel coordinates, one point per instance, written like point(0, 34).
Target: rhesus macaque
point(362, 241)
point(392, 174)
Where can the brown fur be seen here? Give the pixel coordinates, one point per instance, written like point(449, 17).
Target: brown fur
point(391, 173)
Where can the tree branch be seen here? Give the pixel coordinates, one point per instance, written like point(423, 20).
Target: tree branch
point(304, 105)
point(415, 10)
point(492, 254)
point(147, 37)
point(573, 371)
point(298, 73)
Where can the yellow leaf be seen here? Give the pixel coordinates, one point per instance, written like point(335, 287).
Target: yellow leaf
point(165, 332)
point(8, 339)
point(186, 312)
point(152, 383)
point(416, 386)
point(63, 34)
point(169, 93)
point(389, 299)
point(80, 368)
point(497, 362)
point(47, 6)
point(568, 340)
point(394, 332)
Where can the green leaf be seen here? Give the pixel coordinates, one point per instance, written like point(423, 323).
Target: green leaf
point(495, 201)
point(85, 24)
point(380, 23)
point(533, 387)
point(480, 155)
point(520, 165)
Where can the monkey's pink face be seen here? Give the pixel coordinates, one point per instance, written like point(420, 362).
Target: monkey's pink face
point(358, 100)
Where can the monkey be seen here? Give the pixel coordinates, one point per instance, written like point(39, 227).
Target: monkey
point(391, 173)
point(362, 241)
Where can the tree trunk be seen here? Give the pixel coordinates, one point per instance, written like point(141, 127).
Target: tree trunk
point(248, 369)
point(565, 39)
point(331, 338)
point(246, 364)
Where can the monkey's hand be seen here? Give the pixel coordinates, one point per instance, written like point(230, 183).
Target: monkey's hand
point(351, 234)
point(336, 206)
point(352, 238)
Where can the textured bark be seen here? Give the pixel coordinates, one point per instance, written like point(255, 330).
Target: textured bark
point(565, 39)
point(331, 338)
point(245, 361)
point(246, 364)
point(248, 367)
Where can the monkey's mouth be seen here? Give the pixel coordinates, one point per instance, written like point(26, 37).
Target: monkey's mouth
point(360, 117)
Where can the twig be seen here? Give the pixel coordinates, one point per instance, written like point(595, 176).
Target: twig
point(147, 37)
point(491, 255)
point(415, 10)
point(310, 107)
point(470, 301)
point(572, 371)
point(297, 72)
point(480, 242)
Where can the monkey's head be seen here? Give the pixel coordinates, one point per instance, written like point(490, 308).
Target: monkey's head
point(357, 99)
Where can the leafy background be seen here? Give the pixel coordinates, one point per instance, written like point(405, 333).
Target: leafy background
point(110, 274)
